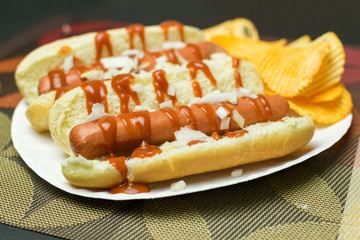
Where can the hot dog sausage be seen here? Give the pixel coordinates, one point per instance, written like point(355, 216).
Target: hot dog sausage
point(121, 134)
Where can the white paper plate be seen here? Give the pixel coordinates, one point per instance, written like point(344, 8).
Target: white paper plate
point(41, 154)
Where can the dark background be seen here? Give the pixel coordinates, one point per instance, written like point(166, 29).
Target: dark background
point(280, 18)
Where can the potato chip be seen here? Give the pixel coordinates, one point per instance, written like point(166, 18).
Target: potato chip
point(324, 112)
point(239, 27)
point(326, 95)
point(331, 68)
point(302, 41)
point(287, 71)
point(247, 49)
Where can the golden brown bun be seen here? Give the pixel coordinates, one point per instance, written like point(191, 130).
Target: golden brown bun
point(264, 141)
point(45, 58)
point(70, 109)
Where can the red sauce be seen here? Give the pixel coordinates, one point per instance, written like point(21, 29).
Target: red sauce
point(130, 188)
point(161, 86)
point(266, 105)
point(193, 142)
point(137, 124)
point(195, 50)
point(215, 136)
point(190, 118)
point(235, 64)
point(108, 126)
point(171, 56)
point(121, 85)
point(236, 134)
point(57, 79)
point(145, 150)
point(139, 30)
point(197, 65)
point(119, 164)
point(125, 186)
point(173, 117)
point(210, 114)
point(61, 91)
point(196, 88)
point(64, 49)
point(96, 92)
point(171, 23)
point(102, 39)
point(256, 108)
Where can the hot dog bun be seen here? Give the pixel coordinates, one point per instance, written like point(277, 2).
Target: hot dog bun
point(45, 58)
point(71, 110)
point(262, 142)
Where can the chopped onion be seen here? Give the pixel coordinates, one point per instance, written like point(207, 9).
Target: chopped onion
point(68, 64)
point(98, 111)
point(236, 173)
point(133, 52)
point(224, 124)
point(222, 112)
point(138, 87)
point(171, 90)
point(186, 135)
point(194, 100)
point(166, 104)
point(116, 62)
point(110, 73)
point(173, 45)
point(178, 186)
point(244, 92)
point(94, 74)
point(180, 58)
point(238, 119)
point(142, 108)
point(217, 96)
point(144, 65)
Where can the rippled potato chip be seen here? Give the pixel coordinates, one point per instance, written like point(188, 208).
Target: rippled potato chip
point(331, 68)
point(302, 41)
point(326, 95)
point(247, 49)
point(239, 27)
point(324, 112)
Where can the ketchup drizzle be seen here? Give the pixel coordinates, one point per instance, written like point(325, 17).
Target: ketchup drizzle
point(236, 134)
point(198, 65)
point(190, 118)
point(96, 92)
point(121, 85)
point(210, 114)
point(57, 79)
point(171, 56)
point(235, 64)
point(108, 126)
point(102, 39)
point(145, 150)
point(172, 23)
point(139, 30)
point(161, 86)
point(195, 50)
point(196, 88)
point(173, 117)
point(266, 105)
point(137, 124)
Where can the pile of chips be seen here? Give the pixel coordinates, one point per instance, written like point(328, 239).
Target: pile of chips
point(308, 73)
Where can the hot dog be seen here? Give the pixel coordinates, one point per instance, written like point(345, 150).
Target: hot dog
point(89, 140)
point(258, 142)
point(60, 82)
point(173, 83)
point(91, 47)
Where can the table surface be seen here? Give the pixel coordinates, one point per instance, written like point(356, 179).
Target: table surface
point(319, 198)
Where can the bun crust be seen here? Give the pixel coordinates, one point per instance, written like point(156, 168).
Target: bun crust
point(45, 58)
point(264, 141)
